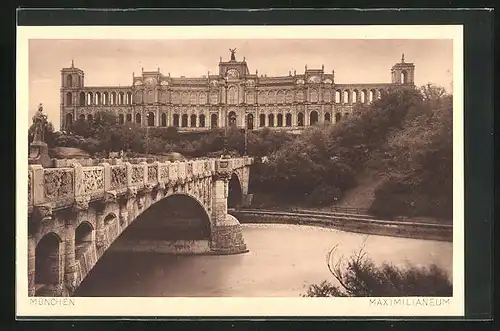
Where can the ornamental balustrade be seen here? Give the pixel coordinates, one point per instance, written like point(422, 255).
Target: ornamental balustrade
point(61, 187)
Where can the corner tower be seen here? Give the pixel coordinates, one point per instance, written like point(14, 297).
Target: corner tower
point(72, 77)
point(72, 81)
point(403, 73)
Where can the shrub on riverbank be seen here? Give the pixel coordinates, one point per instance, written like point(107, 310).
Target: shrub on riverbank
point(358, 276)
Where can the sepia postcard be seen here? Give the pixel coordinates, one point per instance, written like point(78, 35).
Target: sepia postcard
point(240, 171)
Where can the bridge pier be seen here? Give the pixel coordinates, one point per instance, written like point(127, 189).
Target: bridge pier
point(227, 236)
point(70, 264)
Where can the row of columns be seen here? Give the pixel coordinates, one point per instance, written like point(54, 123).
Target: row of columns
point(152, 119)
point(126, 98)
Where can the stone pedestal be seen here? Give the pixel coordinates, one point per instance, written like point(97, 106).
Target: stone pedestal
point(227, 237)
point(39, 154)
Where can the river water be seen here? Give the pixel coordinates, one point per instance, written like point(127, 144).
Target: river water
point(283, 261)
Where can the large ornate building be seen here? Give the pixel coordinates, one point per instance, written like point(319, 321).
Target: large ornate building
point(233, 97)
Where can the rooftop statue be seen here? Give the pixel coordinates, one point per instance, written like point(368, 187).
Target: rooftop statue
point(233, 50)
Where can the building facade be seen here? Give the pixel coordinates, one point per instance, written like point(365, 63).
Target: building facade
point(232, 97)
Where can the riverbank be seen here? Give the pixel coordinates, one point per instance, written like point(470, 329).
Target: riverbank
point(348, 222)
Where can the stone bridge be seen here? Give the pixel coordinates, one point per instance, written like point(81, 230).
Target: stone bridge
point(76, 213)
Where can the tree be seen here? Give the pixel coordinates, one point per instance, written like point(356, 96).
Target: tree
point(419, 162)
point(358, 276)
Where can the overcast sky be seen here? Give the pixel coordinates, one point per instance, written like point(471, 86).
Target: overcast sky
point(112, 62)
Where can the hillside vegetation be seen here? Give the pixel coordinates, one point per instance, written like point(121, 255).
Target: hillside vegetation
point(403, 141)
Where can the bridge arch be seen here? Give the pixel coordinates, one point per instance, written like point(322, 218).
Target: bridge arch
point(177, 216)
point(48, 260)
point(235, 191)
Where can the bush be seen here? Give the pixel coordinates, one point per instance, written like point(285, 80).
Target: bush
point(358, 276)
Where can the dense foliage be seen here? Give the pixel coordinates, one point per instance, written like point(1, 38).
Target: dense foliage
point(358, 276)
point(419, 162)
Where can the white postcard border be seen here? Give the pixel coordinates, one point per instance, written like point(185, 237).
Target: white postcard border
point(36, 306)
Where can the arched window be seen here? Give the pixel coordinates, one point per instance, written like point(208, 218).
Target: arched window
point(232, 95)
point(90, 99)
point(279, 119)
point(280, 96)
point(163, 119)
point(185, 98)
point(337, 96)
point(81, 117)
point(176, 120)
point(289, 97)
point(184, 121)
point(98, 98)
point(121, 119)
point(347, 97)
point(313, 96)
point(69, 98)
point(129, 98)
point(232, 118)
point(90, 117)
point(138, 118)
point(313, 117)
point(250, 97)
point(271, 97)
point(149, 96)
point(214, 98)
point(363, 96)
point(69, 80)
point(250, 122)
point(355, 96)
point(82, 99)
point(288, 119)
point(338, 117)
point(113, 98)
point(69, 119)
point(371, 95)
point(327, 118)
point(404, 77)
point(300, 96)
point(300, 119)
point(202, 121)
point(176, 98)
point(121, 98)
point(214, 121)
point(202, 98)
point(327, 96)
point(270, 119)
point(193, 98)
point(105, 98)
point(129, 118)
point(262, 120)
point(262, 97)
point(193, 121)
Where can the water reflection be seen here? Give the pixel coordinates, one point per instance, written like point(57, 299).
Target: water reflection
point(283, 261)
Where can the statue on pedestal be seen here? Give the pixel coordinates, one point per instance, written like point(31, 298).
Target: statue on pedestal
point(39, 152)
point(39, 123)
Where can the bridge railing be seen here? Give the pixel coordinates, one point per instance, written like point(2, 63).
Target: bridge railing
point(61, 186)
